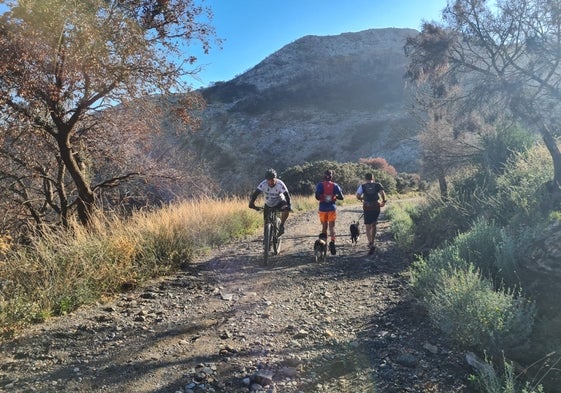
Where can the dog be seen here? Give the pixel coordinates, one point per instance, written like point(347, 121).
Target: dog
point(320, 247)
point(355, 232)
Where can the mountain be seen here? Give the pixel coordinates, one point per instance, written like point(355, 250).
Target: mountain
point(337, 98)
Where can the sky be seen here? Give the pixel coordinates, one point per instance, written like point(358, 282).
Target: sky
point(255, 29)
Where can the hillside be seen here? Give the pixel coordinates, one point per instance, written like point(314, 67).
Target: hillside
point(338, 98)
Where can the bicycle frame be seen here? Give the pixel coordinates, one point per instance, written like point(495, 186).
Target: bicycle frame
point(271, 239)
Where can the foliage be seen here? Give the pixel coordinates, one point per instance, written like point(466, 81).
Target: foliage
point(444, 149)
point(500, 61)
point(401, 225)
point(520, 189)
point(467, 306)
point(486, 380)
point(491, 249)
point(437, 222)
point(302, 179)
point(379, 164)
point(61, 270)
point(499, 223)
point(504, 198)
point(499, 146)
point(407, 182)
point(64, 64)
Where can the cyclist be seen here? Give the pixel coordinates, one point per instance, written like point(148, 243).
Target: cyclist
point(327, 193)
point(276, 196)
point(369, 193)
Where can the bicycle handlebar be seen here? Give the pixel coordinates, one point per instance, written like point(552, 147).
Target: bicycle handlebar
point(261, 208)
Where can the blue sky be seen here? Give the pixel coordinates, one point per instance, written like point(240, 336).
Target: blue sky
point(254, 29)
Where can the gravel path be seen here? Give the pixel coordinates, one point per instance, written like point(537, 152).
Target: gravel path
point(227, 324)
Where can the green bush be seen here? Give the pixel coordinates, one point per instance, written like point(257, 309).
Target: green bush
point(401, 226)
point(438, 222)
point(426, 272)
point(520, 189)
point(467, 306)
point(481, 245)
point(486, 380)
point(408, 182)
point(302, 179)
point(499, 146)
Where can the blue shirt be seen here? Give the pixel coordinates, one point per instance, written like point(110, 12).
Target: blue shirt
point(327, 202)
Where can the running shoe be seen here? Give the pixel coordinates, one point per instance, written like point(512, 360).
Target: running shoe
point(281, 229)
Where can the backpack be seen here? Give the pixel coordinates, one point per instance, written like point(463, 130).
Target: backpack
point(328, 192)
point(370, 194)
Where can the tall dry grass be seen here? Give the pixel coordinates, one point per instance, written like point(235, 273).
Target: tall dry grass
point(62, 270)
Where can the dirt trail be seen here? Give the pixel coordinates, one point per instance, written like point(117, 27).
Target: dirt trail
point(227, 324)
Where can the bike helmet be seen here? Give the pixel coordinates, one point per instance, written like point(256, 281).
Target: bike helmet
point(270, 174)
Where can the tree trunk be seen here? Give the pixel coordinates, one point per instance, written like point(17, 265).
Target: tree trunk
point(86, 198)
point(553, 149)
point(443, 186)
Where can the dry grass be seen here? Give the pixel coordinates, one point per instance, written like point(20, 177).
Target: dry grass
point(62, 270)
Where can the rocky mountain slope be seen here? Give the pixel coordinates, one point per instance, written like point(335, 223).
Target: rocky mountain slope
point(338, 98)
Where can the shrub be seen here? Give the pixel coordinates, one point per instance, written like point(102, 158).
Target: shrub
point(437, 222)
point(499, 146)
point(525, 176)
point(401, 226)
point(379, 164)
point(407, 182)
point(467, 306)
point(480, 246)
point(486, 380)
point(302, 179)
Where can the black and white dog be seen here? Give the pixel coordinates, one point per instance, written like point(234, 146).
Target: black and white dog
point(355, 232)
point(320, 247)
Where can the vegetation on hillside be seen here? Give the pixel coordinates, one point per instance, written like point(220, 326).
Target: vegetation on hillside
point(69, 71)
point(475, 268)
point(303, 178)
point(489, 62)
point(488, 80)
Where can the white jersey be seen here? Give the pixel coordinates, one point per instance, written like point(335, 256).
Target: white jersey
point(273, 195)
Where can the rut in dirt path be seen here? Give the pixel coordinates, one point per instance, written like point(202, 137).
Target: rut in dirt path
point(227, 324)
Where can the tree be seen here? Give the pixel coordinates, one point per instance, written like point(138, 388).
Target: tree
point(506, 58)
point(63, 63)
point(444, 151)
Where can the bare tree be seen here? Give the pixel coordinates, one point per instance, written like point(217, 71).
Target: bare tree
point(507, 58)
point(63, 62)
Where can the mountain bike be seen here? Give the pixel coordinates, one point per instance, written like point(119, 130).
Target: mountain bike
point(271, 238)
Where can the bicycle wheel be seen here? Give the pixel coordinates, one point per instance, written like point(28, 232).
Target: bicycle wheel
point(276, 240)
point(267, 235)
